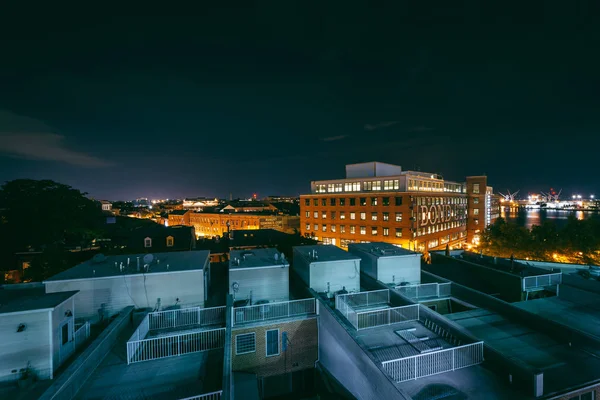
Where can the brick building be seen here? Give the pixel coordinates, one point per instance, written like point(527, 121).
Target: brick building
point(218, 224)
point(380, 202)
point(484, 207)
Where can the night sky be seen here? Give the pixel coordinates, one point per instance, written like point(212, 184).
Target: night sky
point(265, 99)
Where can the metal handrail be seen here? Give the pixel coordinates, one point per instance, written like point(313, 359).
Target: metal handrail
point(207, 396)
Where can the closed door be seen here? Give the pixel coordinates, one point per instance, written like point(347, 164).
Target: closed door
point(65, 336)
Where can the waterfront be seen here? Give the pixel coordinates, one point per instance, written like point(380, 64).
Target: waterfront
point(528, 218)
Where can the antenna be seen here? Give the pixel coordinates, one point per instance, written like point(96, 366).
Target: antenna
point(148, 258)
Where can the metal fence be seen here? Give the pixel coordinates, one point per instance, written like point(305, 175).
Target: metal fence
point(539, 281)
point(207, 396)
point(262, 312)
point(82, 334)
point(425, 290)
point(435, 362)
point(364, 299)
point(174, 345)
point(185, 317)
point(371, 319)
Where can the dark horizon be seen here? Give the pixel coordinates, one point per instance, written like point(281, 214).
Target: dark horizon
point(265, 100)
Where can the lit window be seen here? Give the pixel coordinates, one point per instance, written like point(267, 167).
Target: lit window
point(324, 214)
point(476, 211)
point(307, 214)
point(374, 231)
point(307, 202)
point(342, 215)
point(332, 214)
point(316, 227)
point(386, 216)
point(386, 231)
point(272, 342)
point(148, 242)
point(363, 230)
point(315, 202)
point(476, 188)
point(316, 214)
point(323, 202)
point(324, 228)
point(245, 343)
point(170, 241)
point(398, 217)
point(352, 229)
point(377, 185)
point(308, 227)
point(374, 216)
point(363, 201)
point(352, 215)
point(373, 201)
point(342, 228)
point(398, 232)
point(332, 228)
point(476, 200)
point(363, 216)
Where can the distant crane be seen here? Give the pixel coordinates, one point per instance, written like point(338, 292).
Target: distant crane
point(510, 197)
point(552, 195)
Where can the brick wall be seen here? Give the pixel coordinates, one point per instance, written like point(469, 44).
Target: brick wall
point(301, 353)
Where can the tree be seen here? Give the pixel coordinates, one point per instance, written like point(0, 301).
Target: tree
point(43, 213)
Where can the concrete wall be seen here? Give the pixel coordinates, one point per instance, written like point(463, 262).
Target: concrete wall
point(338, 274)
point(301, 353)
point(140, 290)
point(345, 360)
point(261, 283)
point(32, 345)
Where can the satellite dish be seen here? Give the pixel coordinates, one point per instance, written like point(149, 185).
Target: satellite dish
point(235, 286)
point(99, 258)
point(148, 258)
point(276, 256)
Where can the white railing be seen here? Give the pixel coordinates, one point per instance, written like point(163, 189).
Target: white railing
point(207, 396)
point(371, 319)
point(82, 334)
point(435, 362)
point(262, 312)
point(174, 345)
point(539, 281)
point(364, 299)
point(186, 316)
point(425, 290)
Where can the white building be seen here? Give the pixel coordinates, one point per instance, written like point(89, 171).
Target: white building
point(36, 330)
point(388, 263)
point(258, 275)
point(327, 268)
point(108, 284)
point(106, 205)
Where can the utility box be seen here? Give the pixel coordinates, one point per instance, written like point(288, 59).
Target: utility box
point(388, 263)
point(327, 269)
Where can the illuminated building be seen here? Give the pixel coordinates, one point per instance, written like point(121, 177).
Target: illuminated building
point(381, 202)
point(484, 207)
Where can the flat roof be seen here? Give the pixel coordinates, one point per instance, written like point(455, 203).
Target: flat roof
point(14, 300)
point(109, 266)
point(381, 249)
point(324, 253)
point(256, 258)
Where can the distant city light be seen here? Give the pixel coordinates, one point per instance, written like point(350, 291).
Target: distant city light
point(578, 196)
point(591, 196)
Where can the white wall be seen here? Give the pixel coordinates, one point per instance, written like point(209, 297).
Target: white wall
point(339, 274)
point(399, 269)
point(121, 291)
point(271, 284)
point(32, 345)
point(58, 317)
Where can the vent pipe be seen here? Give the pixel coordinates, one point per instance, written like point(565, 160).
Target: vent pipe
point(138, 264)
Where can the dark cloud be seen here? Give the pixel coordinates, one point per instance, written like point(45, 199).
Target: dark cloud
point(334, 138)
point(28, 138)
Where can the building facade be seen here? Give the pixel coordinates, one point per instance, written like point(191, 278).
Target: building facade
point(484, 207)
point(380, 202)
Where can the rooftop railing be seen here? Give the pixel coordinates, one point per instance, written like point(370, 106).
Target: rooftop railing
point(540, 281)
point(206, 396)
point(425, 290)
point(388, 316)
point(270, 311)
point(435, 362)
point(193, 316)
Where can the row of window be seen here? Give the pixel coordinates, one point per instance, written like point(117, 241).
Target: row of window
point(170, 242)
point(432, 201)
point(385, 216)
point(433, 186)
point(352, 229)
point(246, 343)
point(385, 201)
point(390, 184)
point(440, 227)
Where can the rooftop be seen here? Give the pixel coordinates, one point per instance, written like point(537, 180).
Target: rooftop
point(109, 266)
point(179, 212)
point(18, 298)
point(256, 258)
point(324, 253)
point(381, 249)
point(498, 263)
